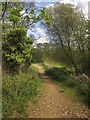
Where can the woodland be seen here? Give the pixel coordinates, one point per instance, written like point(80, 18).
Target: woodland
point(65, 58)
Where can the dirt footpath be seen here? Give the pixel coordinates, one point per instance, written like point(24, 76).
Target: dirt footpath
point(53, 103)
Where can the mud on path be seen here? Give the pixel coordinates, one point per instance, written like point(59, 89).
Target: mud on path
point(54, 103)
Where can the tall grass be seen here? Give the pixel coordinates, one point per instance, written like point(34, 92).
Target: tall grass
point(17, 90)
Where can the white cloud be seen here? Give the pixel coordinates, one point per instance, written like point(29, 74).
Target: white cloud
point(84, 6)
point(50, 5)
point(42, 40)
point(23, 13)
point(39, 35)
point(69, 1)
point(43, 37)
point(41, 31)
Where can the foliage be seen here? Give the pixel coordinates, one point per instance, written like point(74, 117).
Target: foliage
point(45, 66)
point(16, 19)
point(17, 47)
point(18, 90)
point(19, 14)
point(54, 52)
point(68, 27)
point(37, 55)
point(59, 73)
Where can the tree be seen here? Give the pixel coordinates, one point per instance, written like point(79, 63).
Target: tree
point(16, 18)
point(69, 27)
point(38, 53)
point(17, 49)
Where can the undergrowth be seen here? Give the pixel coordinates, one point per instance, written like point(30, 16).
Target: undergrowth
point(18, 90)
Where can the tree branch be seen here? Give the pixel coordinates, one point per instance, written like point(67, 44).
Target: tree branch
point(4, 9)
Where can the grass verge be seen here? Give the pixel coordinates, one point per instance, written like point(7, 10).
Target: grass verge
point(73, 85)
point(18, 90)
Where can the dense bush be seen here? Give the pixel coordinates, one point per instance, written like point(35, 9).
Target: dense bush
point(18, 90)
point(59, 73)
point(17, 50)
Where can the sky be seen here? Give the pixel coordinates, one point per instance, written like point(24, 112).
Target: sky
point(40, 31)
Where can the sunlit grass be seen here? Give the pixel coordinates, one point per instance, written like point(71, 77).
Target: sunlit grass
point(18, 90)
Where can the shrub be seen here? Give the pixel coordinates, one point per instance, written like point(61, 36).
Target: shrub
point(58, 73)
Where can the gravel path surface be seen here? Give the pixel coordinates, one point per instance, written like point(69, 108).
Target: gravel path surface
point(54, 103)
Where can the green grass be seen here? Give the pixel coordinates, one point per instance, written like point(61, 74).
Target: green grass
point(18, 90)
point(73, 93)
